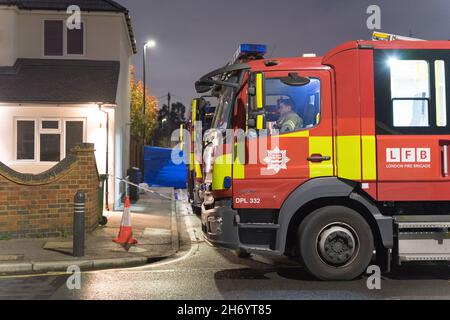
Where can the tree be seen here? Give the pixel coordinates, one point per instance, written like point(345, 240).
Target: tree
point(170, 120)
point(141, 123)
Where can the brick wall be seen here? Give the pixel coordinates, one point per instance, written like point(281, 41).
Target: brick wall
point(34, 206)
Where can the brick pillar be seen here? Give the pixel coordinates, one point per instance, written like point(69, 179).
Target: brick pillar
point(88, 181)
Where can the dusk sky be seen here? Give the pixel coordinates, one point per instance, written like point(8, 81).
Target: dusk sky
point(197, 36)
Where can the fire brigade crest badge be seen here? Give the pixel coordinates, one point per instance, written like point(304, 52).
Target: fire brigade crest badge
point(276, 160)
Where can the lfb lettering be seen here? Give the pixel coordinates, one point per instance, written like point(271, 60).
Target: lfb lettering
point(423, 155)
point(408, 155)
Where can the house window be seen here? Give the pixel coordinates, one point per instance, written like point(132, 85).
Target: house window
point(50, 124)
point(74, 134)
point(50, 141)
point(53, 38)
point(60, 41)
point(75, 41)
point(55, 138)
point(25, 139)
point(50, 147)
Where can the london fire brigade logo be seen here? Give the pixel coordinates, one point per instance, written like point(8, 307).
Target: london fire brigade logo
point(276, 160)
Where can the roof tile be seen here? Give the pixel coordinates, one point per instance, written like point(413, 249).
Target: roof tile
point(60, 81)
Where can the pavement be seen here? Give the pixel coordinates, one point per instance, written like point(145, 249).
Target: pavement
point(155, 227)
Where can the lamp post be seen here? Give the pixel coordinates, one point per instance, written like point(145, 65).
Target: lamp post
point(148, 44)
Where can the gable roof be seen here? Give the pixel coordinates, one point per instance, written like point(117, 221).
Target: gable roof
point(85, 5)
point(59, 81)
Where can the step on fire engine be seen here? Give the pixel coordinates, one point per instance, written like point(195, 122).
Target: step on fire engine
point(360, 169)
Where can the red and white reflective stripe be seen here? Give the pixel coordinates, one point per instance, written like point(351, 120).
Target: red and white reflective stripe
point(126, 218)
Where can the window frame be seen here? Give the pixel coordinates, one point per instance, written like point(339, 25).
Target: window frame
point(65, 120)
point(41, 128)
point(83, 22)
point(43, 39)
point(50, 132)
point(60, 141)
point(438, 91)
point(16, 119)
point(411, 99)
point(384, 111)
point(38, 130)
point(65, 39)
point(276, 75)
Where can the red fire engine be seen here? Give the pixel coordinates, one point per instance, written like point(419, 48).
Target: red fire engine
point(360, 166)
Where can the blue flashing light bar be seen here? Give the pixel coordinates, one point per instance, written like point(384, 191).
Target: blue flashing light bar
point(247, 48)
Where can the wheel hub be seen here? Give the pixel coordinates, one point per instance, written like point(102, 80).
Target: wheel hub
point(337, 245)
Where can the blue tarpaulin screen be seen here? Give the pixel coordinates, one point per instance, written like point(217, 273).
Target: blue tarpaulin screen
point(160, 171)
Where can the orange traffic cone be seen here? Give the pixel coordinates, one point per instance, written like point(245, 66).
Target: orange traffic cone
point(126, 232)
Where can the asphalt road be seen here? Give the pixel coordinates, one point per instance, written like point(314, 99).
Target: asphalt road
point(202, 272)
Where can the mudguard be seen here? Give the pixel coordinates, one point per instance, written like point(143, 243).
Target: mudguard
point(329, 187)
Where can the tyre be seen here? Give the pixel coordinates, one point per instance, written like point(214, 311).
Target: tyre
point(336, 243)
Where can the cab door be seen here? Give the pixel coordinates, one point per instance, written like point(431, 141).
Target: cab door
point(276, 163)
point(413, 124)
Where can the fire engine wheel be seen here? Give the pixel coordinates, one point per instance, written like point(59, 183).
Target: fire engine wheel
point(336, 243)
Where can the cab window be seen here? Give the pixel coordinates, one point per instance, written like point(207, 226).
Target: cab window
point(222, 116)
point(411, 92)
point(291, 108)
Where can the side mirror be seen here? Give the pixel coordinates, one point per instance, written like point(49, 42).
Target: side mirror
point(294, 79)
point(202, 87)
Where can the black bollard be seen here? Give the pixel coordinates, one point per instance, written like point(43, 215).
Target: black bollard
point(79, 224)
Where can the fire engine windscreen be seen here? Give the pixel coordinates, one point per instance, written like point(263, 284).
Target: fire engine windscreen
point(291, 108)
point(223, 113)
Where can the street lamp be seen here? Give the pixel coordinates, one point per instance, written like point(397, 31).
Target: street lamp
point(148, 44)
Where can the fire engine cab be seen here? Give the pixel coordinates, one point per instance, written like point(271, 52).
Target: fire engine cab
point(340, 160)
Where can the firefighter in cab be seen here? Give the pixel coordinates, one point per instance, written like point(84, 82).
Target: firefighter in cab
point(289, 120)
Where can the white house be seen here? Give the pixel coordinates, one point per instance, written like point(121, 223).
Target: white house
point(59, 87)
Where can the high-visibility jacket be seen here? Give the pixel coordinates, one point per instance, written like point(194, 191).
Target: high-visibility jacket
point(289, 122)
